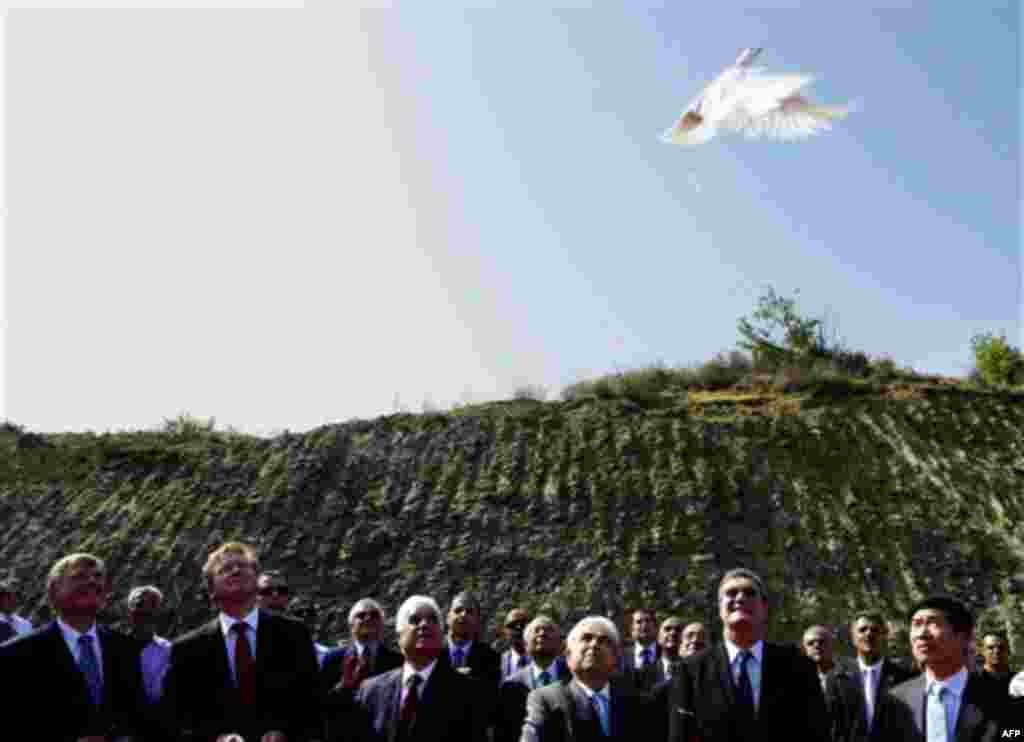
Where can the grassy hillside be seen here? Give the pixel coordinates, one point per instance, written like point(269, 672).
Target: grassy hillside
point(839, 496)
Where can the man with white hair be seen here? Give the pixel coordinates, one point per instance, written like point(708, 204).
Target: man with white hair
point(143, 610)
point(596, 704)
point(423, 700)
point(543, 646)
point(365, 655)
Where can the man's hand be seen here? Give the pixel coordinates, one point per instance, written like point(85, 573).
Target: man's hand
point(92, 738)
point(233, 737)
point(274, 737)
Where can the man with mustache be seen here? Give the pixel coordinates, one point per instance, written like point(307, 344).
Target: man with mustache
point(746, 688)
point(424, 700)
point(86, 676)
point(598, 703)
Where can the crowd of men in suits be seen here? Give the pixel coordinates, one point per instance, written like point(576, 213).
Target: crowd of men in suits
point(254, 674)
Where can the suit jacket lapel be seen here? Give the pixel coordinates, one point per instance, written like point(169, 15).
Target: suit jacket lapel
point(617, 722)
point(219, 652)
point(970, 715)
point(917, 702)
point(109, 672)
point(725, 674)
point(393, 700)
point(264, 641)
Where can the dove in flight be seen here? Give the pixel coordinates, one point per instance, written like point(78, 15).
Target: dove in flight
point(745, 99)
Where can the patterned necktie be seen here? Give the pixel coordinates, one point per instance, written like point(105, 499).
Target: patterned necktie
point(407, 714)
point(245, 665)
point(935, 719)
point(744, 690)
point(90, 668)
point(459, 657)
point(544, 679)
point(600, 704)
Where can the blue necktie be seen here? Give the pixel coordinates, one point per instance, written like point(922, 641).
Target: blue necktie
point(601, 707)
point(459, 657)
point(544, 679)
point(523, 661)
point(744, 690)
point(646, 657)
point(935, 719)
point(91, 669)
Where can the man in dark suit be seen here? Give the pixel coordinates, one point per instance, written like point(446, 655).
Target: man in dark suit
point(670, 637)
point(746, 688)
point(515, 657)
point(72, 679)
point(249, 672)
point(544, 648)
point(945, 702)
point(424, 700)
point(467, 655)
point(694, 639)
point(366, 652)
point(870, 676)
point(995, 651)
point(817, 645)
point(643, 651)
point(345, 669)
point(597, 704)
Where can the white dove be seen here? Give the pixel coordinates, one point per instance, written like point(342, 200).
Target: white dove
point(744, 99)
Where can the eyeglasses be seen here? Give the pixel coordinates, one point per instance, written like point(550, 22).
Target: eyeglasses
point(278, 589)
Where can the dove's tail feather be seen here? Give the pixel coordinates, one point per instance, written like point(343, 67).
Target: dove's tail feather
point(828, 113)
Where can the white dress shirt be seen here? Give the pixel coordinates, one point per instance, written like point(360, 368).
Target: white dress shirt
point(71, 638)
point(226, 622)
point(19, 624)
point(754, 667)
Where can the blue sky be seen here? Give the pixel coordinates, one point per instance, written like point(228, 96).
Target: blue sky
point(287, 218)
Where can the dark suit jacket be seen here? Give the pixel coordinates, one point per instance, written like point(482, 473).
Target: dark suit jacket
point(45, 694)
point(512, 700)
point(484, 666)
point(849, 704)
point(447, 710)
point(337, 702)
point(651, 676)
point(334, 663)
point(627, 660)
point(563, 713)
point(900, 715)
point(702, 700)
point(200, 693)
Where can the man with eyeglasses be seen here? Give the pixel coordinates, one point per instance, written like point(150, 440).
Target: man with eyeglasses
point(274, 594)
point(598, 703)
point(746, 688)
point(424, 700)
point(250, 674)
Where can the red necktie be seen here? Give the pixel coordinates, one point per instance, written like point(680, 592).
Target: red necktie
point(245, 665)
point(408, 713)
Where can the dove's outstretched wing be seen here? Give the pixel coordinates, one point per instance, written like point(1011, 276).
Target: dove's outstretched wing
point(794, 118)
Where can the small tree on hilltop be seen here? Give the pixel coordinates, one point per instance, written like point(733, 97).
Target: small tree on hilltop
point(996, 361)
point(801, 337)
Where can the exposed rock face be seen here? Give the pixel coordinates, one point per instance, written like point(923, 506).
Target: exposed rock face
point(589, 506)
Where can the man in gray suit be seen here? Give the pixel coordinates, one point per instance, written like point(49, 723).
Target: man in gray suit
point(543, 645)
point(945, 703)
point(595, 704)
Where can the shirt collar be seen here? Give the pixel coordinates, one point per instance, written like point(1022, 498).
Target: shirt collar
point(954, 683)
point(71, 636)
point(408, 671)
point(551, 669)
point(639, 648)
point(757, 651)
point(252, 618)
point(864, 667)
point(370, 646)
point(590, 692)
